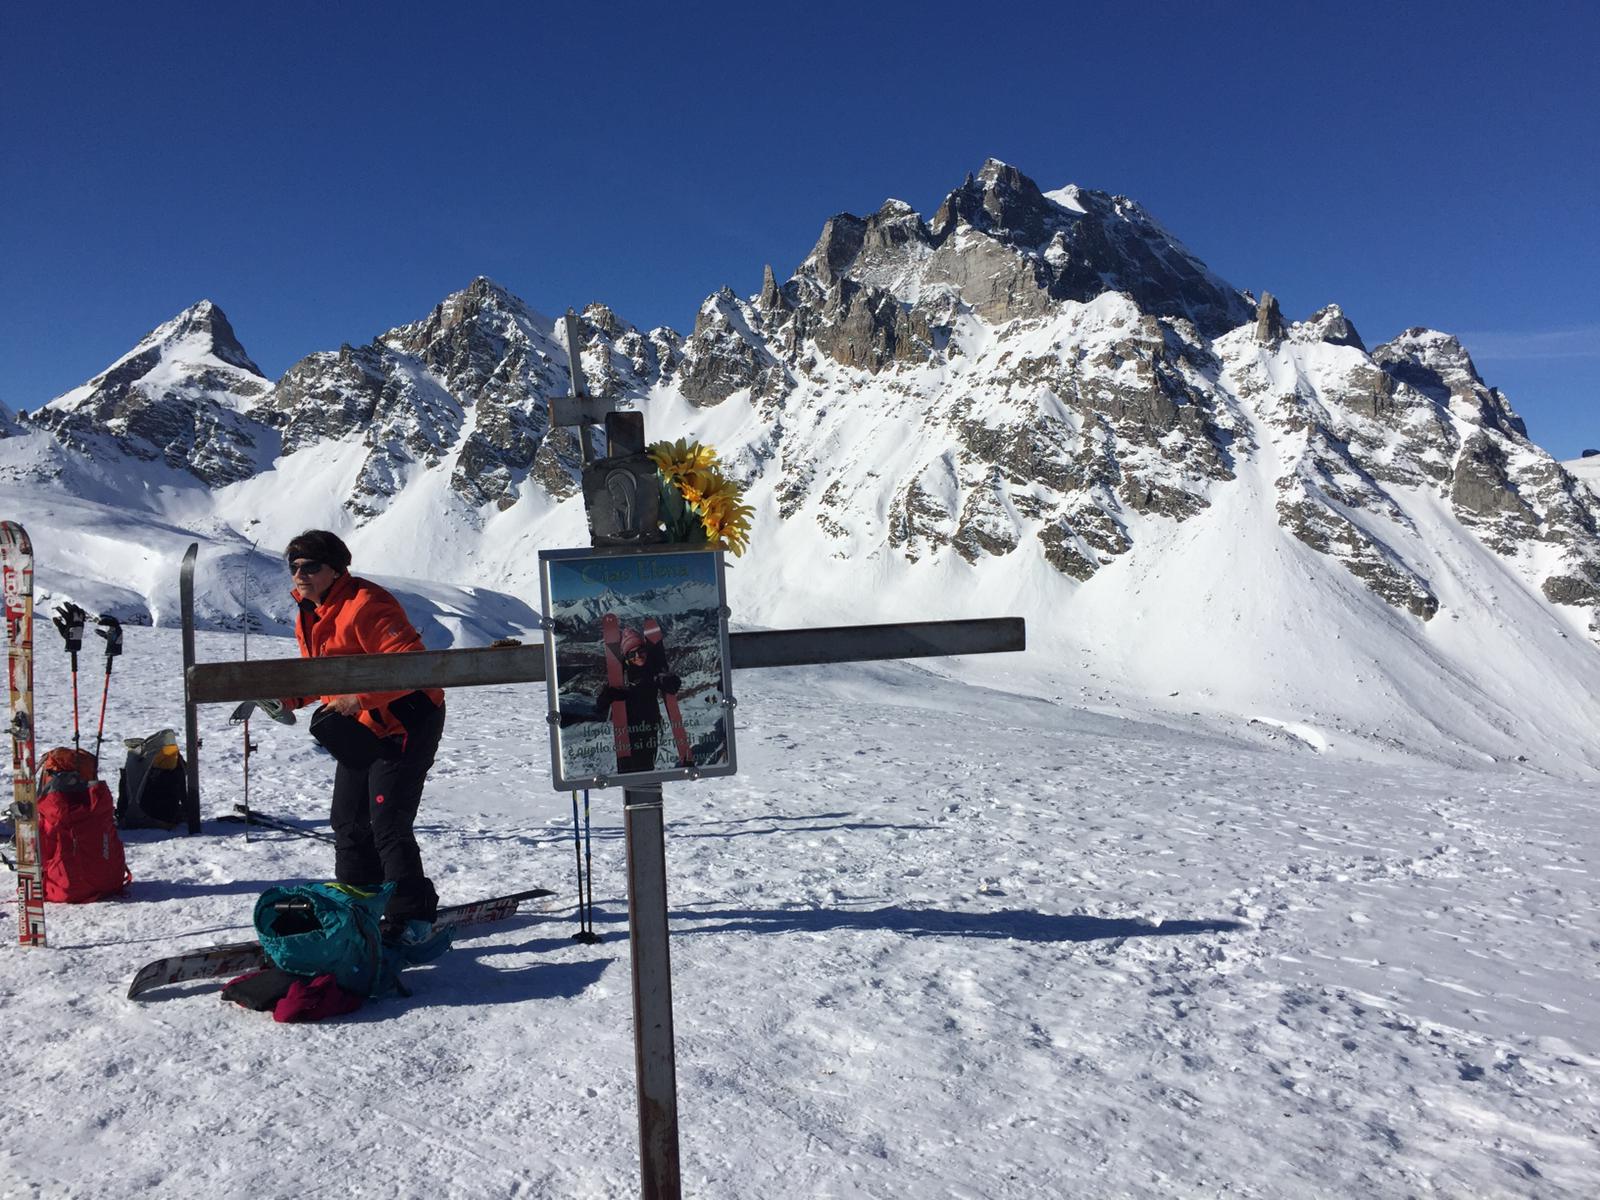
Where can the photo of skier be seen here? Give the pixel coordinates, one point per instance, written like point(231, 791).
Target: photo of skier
point(637, 681)
point(637, 665)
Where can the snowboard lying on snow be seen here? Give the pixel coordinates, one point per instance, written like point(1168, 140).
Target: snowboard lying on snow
point(237, 958)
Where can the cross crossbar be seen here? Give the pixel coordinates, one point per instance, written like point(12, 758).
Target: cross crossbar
point(211, 683)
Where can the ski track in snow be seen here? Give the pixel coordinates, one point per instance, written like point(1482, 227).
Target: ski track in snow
point(932, 940)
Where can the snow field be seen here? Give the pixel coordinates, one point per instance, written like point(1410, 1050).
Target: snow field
point(933, 940)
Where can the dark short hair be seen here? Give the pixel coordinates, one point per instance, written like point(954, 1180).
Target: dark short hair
point(322, 546)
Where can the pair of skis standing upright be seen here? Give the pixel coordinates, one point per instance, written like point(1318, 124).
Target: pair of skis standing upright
point(16, 575)
point(16, 583)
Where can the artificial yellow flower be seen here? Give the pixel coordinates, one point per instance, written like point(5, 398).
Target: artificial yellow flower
point(675, 459)
point(724, 515)
point(692, 470)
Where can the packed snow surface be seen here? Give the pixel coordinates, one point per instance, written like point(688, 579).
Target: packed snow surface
point(934, 939)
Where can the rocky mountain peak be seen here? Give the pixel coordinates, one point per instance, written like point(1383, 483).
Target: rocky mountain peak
point(1438, 365)
point(482, 303)
point(1029, 375)
point(1001, 201)
point(1330, 325)
point(1005, 249)
point(1439, 352)
point(178, 397)
point(771, 299)
point(836, 249)
point(199, 332)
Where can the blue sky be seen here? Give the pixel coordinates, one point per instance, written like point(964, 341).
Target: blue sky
point(327, 171)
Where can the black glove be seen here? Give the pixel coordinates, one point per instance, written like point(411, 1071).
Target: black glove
point(611, 695)
point(111, 630)
point(669, 683)
point(69, 621)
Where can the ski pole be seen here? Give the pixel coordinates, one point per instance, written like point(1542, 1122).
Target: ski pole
point(69, 621)
point(585, 902)
point(248, 747)
point(588, 869)
point(577, 855)
point(111, 629)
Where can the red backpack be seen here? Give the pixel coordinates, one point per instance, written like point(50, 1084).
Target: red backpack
point(78, 842)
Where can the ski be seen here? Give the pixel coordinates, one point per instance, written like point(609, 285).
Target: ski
point(658, 651)
point(611, 634)
point(242, 815)
point(191, 715)
point(238, 958)
point(16, 567)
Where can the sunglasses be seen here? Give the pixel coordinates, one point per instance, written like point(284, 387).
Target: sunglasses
point(306, 566)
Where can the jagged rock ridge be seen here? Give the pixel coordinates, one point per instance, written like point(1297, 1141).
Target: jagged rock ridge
point(1025, 373)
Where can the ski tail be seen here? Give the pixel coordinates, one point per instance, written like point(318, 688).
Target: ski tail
point(680, 735)
point(479, 912)
point(237, 958)
point(16, 581)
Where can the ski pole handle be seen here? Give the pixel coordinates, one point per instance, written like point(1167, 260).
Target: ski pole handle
point(69, 620)
point(111, 629)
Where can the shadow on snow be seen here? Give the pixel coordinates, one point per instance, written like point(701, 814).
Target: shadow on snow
point(1012, 924)
point(467, 976)
point(766, 823)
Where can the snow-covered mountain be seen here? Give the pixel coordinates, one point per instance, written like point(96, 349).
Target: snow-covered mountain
point(178, 398)
point(1034, 403)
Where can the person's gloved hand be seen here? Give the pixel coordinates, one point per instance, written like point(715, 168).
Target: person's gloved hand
point(611, 695)
point(669, 683)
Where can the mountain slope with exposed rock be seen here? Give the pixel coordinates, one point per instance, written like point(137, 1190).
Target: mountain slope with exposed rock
point(1032, 401)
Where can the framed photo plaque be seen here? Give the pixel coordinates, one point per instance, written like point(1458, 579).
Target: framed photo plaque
point(636, 665)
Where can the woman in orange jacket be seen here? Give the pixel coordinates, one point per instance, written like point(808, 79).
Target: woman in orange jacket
point(384, 741)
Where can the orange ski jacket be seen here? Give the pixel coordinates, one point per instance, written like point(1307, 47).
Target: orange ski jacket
point(359, 617)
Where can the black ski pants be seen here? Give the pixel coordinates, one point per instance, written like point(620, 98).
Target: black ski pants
point(372, 818)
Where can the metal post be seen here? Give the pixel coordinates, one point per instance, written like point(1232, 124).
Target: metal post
point(580, 388)
point(654, 1061)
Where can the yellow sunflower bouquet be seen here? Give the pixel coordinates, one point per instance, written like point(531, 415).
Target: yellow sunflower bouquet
point(698, 502)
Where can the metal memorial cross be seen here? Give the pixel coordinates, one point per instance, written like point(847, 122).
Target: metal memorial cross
point(617, 505)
